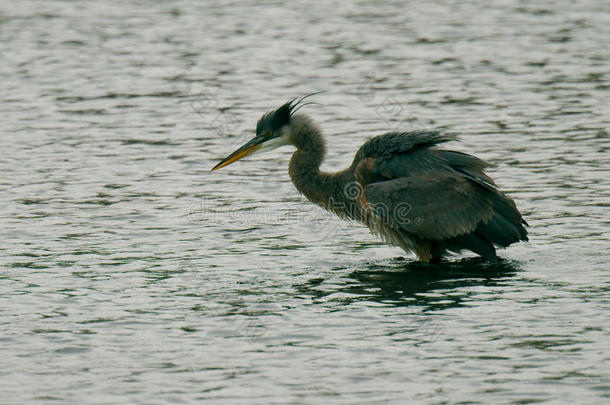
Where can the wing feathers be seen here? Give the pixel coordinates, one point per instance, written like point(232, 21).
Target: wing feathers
point(431, 205)
point(434, 194)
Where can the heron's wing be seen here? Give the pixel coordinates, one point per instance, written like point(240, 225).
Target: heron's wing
point(446, 193)
point(435, 205)
point(392, 143)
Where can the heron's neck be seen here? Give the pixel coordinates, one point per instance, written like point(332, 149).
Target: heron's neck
point(324, 189)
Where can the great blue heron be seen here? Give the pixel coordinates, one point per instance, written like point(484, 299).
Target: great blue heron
point(426, 200)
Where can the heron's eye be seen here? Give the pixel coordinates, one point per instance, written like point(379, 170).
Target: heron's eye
point(268, 133)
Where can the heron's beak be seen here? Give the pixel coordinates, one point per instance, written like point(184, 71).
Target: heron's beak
point(252, 146)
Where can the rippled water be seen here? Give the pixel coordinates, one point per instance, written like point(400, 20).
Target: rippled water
point(131, 274)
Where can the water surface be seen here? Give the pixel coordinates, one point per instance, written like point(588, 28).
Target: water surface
point(131, 274)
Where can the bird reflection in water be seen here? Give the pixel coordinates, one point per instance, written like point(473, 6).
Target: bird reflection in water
point(401, 282)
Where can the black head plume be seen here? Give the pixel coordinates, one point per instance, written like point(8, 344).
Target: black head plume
point(274, 120)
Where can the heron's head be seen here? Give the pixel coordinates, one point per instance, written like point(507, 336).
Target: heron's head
point(273, 129)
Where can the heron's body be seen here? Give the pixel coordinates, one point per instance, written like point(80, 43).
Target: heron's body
point(412, 194)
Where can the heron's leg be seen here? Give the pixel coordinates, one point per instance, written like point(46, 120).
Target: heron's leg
point(478, 245)
point(488, 252)
point(424, 257)
point(436, 253)
point(435, 260)
point(422, 250)
point(491, 259)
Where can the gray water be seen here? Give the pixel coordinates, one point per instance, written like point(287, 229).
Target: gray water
point(131, 274)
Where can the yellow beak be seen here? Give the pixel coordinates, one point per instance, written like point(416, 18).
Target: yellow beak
point(252, 146)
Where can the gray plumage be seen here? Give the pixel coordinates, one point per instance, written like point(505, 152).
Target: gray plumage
point(426, 200)
point(450, 204)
